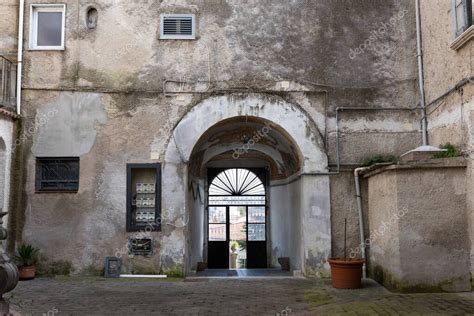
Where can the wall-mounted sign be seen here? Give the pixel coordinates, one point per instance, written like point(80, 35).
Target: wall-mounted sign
point(112, 267)
point(140, 246)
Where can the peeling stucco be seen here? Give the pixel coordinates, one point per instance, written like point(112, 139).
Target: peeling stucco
point(71, 125)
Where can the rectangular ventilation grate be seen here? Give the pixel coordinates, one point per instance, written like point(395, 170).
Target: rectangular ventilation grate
point(177, 27)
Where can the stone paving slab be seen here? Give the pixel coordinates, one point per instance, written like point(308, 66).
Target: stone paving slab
point(98, 296)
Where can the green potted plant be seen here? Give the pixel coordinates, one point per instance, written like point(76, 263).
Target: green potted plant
point(26, 259)
point(346, 273)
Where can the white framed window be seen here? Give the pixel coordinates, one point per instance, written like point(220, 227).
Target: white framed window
point(47, 24)
point(177, 26)
point(462, 15)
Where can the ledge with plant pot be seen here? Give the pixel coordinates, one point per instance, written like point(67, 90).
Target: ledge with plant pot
point(26, 259)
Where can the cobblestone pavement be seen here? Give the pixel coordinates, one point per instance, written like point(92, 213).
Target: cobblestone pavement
point(98, 296)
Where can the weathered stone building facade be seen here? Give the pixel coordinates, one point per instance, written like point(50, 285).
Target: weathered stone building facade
point(449, 78)
point(336, 82)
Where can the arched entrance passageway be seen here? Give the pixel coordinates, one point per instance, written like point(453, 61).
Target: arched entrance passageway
point(235, 161)
point(254, 135)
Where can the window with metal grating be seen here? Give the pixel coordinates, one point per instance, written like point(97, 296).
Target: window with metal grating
point(59, 174)
point(178, 26)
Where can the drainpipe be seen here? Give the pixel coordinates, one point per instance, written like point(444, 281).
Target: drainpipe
point(361, 216)
point(357, 171)
point(21, 14)
point(419, 55)
point(357, 109)
point(425, 147)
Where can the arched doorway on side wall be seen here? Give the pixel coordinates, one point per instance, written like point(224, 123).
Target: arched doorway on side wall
point(3, 160)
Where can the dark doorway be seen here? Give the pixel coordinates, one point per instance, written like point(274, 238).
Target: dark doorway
point(237, 215)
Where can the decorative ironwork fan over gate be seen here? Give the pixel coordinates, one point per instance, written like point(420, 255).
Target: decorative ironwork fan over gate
point(236, 186)
point(236, 182)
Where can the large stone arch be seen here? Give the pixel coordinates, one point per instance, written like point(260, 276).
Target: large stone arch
point(292, 118)
point(307, 196)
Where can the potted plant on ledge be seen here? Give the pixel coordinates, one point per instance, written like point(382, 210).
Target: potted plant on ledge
point(346, 273)
point(26, 259)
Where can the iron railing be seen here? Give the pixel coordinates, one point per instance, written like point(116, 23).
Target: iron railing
point(7, 83)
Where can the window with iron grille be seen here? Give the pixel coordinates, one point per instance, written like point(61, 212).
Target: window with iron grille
point(178, 26)
point(57, 174)
point(463, 15)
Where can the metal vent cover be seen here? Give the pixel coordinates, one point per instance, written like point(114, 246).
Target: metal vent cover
point(178, 26)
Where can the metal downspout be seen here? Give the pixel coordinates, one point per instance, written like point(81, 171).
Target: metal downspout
point(361, 217)
point(419, 54)
point(21, 14)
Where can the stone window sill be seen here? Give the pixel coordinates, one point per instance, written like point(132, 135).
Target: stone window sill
point(462, 39)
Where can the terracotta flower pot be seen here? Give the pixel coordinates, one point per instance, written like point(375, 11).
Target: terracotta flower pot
point(27, 273)
point(346, 273)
